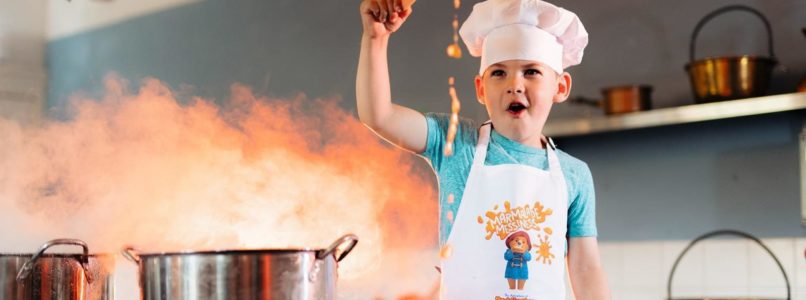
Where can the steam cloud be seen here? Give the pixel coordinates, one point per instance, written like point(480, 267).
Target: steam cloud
point(140, 168)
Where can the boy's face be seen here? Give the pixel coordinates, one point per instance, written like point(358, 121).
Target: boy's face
point(518, 95)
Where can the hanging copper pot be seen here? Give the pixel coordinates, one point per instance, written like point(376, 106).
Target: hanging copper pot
point(730, 77)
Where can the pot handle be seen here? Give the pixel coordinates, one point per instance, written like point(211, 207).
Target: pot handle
point(131, 254)
point(352, 239)
point(84, 260)
point(586, 101)
point(725, 9)
point(725, 232)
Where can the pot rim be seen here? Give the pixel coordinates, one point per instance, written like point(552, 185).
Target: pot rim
point(231, 252)
point(135, 255)
point(55, 255)
point(627, 86)
point(768, 59)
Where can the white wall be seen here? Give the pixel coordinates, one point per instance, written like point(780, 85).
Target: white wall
point(715, 268)
point(22, 53)
point(71, 17)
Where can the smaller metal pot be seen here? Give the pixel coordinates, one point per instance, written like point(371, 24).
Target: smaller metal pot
point(622, 99)
point(627, 98)
point(59, 276)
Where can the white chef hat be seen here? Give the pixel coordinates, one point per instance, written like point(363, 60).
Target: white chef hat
point(500, 30)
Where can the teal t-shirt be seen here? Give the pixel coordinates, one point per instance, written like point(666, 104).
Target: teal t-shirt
point(453, 171)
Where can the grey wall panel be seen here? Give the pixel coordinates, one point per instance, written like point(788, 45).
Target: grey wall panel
point(670, 182)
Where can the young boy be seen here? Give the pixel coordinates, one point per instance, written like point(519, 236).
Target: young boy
point(505, 178)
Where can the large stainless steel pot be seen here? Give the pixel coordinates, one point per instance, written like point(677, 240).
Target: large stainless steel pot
point(60, 276)
point(272, 274)
point(731, 77)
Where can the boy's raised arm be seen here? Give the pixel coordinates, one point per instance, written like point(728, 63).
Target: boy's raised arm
point(400, 125)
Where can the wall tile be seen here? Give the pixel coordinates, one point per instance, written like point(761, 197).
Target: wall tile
point(642, 265)
point(612, 262)
point(20, 111)
point(726, 267)
point(768, 292)
point(690, 273)
point(799, 279)
point(642, 294)
point(714, 268)
point(764, 272)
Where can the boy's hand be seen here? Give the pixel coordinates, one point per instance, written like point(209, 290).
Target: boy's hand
point(383, 17)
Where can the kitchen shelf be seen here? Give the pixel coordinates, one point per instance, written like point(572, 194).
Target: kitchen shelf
point(676, 115)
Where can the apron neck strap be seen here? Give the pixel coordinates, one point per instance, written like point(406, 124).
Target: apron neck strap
point(550, 143)
point(484, 141)
point(554, 161)
point(481, 146)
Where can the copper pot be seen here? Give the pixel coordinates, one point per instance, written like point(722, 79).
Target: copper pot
point(627, 98)
point(732, 77)
point(622, 99)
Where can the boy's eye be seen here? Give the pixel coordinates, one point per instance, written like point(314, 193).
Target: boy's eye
point(496, 73)
point(531, 72)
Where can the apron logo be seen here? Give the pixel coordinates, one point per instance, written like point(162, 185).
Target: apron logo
point(510, 220)
point(512, 225)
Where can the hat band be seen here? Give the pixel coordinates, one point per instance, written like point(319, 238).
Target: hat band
point(523, 42)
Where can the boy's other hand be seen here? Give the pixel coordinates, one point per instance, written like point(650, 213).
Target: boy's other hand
point(383, 17)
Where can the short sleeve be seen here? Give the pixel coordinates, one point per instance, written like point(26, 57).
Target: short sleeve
point(582, 211)
point(466, 136)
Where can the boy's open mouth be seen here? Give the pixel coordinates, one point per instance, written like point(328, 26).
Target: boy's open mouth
point(516, 108)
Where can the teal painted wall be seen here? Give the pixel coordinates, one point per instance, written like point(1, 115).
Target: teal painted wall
point(677, 182)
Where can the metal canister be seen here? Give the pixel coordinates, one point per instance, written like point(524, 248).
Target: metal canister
point(276, 274)
point(57, 276)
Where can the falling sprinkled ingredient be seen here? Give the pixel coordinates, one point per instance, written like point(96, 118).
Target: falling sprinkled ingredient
point(454, 123)
point(445, 252)
point(453, 50)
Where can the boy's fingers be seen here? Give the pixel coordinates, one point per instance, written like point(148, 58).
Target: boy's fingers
point(406, 13)
point(390, 7)
point(387, 9)
point(381, 10)
point(376, 10)
point(371, 8)
point(407, 4)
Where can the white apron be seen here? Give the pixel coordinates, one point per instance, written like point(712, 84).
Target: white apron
point(508, 202)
